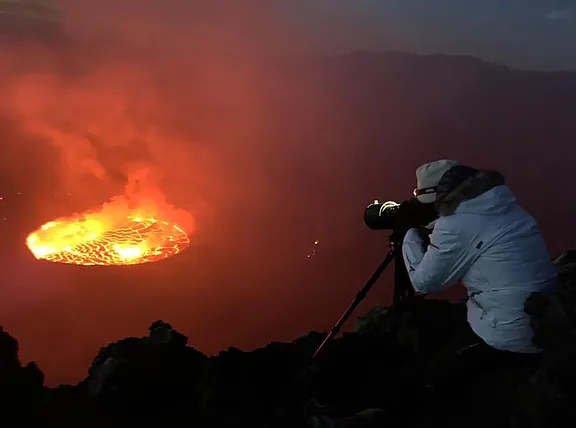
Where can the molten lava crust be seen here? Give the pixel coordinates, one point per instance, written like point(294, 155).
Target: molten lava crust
point(86, 241)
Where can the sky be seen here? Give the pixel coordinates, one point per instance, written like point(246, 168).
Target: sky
point(534, 34)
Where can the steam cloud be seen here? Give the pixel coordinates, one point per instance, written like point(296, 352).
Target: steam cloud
point(165, 101)
point(172, 89)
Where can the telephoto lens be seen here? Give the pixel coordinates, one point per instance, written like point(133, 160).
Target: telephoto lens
point(391, 215)
point(380, 215)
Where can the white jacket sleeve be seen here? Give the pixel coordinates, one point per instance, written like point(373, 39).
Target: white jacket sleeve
point(442, 265)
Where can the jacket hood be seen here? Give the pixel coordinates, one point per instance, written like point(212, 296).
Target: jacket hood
point(483, 193)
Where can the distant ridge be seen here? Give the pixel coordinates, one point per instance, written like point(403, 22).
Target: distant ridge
point(435, 59)
point(40, 10)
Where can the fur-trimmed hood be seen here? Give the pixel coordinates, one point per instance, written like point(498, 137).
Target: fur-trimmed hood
point(472, 187)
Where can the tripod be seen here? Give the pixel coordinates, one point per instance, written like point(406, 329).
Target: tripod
point(403, 291)
point(403, 299)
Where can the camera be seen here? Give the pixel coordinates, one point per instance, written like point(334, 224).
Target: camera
point(402, 216)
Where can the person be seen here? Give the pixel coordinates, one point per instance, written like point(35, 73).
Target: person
point(485, 239)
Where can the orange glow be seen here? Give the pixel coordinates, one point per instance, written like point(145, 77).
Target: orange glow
point(100, 239)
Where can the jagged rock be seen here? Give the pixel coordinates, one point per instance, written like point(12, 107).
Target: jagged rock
point(363, 368)
point(157, 369)
point(254, 385)
point(374, 321)
point(425, 328)
point(552, 392)
point(17, 382)
point(158, 378)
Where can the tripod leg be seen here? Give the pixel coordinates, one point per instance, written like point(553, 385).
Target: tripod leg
point(403, 292)
point(402, 286)
point(358, 299)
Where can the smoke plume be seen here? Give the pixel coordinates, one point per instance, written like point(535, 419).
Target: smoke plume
point(170, 104)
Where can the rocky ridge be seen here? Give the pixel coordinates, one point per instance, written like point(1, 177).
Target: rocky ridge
point(160, 379)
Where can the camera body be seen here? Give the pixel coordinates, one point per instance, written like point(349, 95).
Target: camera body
point(399, 217)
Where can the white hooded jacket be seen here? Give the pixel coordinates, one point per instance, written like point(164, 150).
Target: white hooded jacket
point(490, 243)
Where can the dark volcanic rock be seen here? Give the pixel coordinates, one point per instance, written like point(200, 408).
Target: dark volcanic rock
point(159, 368)
point(552, 393)
point(159, 379)
point(17, 383)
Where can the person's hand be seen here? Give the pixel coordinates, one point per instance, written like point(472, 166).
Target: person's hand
point(424, 235)
point(418, 236)
point(413, 235)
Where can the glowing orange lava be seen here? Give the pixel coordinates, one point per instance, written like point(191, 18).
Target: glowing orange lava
point(94, 239)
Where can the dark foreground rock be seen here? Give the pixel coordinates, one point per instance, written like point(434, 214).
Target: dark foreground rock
point(160, 380)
